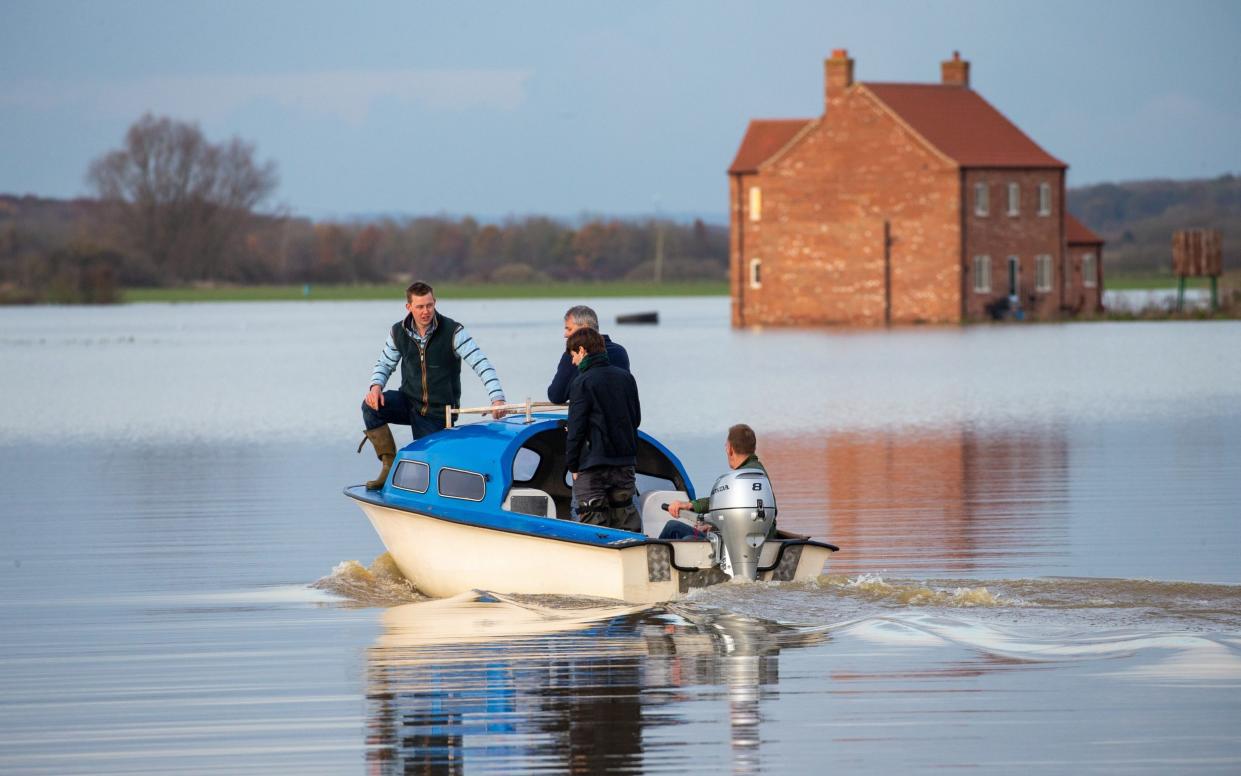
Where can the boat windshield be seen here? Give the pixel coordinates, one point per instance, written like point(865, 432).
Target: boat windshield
point(539, 464)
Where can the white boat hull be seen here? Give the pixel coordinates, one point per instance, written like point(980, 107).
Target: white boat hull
point(443, 558)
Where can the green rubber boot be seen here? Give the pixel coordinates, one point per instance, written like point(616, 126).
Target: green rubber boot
point(385, 450)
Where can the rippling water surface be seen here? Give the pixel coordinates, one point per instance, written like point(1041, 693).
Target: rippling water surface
point(1039, 529)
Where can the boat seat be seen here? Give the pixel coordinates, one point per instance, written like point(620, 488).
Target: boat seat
point(530, 501)
point(653, 515)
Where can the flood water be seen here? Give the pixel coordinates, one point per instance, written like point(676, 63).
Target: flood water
point(1040, 567)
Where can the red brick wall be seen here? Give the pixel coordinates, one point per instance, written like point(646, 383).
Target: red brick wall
point(1024, 235)
point(1080, 298)
point(820, 238)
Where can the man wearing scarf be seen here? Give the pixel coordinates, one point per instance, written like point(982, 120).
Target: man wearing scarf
point(601, 446)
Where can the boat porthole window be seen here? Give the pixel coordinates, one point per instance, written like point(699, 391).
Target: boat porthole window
point(455, 483)
point(412, 475)
point(525, 465)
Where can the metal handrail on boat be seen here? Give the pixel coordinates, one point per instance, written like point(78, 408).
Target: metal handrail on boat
point(527, 408)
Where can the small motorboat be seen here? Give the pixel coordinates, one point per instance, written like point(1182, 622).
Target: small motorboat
point(486, 506)
point(644, 317)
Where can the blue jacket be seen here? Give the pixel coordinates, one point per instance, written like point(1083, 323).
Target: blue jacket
point(558, 391)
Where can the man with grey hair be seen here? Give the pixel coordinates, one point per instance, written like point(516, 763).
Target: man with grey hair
point(581, 317)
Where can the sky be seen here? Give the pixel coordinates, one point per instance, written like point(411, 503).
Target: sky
point(626, 108)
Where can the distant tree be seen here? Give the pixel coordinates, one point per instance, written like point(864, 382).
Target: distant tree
point(181, 202)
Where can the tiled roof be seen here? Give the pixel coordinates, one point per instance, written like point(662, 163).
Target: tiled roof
point(763, 138)
point(962, 125)
point(1077, 233)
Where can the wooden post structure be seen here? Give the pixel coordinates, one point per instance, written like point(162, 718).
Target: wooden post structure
point(1195, 253)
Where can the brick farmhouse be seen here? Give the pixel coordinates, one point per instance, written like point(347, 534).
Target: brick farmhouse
point(903, 203)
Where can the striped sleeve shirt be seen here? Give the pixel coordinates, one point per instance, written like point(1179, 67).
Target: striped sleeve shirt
point(467, 350)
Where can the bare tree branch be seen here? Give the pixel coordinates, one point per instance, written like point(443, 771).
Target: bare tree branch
point(182, 202)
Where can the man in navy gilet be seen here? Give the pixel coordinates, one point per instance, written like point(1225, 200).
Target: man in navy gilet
point(430, 347)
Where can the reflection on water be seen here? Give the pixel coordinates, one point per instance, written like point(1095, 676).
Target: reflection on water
point(1039, 568)
point(955, 501)
point(490, 683)
point(493, 682)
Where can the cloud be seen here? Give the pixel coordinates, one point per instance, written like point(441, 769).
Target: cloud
point(345, 94)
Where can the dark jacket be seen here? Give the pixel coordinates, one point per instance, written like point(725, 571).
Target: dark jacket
point(604, 414)
point(558, 391)
point(430, 373)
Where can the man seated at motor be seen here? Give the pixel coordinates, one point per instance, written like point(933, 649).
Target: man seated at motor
point(601, 441)
point(739, 450)
point(577, 317)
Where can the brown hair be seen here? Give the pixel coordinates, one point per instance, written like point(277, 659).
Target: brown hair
point(585, 338)
point(741, 438)
point(418, 288)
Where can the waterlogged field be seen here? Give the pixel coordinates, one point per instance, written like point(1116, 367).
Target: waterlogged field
point(1038, 572)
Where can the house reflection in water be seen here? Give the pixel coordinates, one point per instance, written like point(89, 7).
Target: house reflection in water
point(448, 688)
point(939, 501)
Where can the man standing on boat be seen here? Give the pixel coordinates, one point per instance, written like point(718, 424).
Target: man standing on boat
point(601, 443)
point(578, 317)
point(739, 449)
point(430, 347)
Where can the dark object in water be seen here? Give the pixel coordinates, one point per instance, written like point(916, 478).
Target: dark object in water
point(998, 309)
point(651, 317)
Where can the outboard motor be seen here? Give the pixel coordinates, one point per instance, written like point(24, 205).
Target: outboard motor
point(742, 509)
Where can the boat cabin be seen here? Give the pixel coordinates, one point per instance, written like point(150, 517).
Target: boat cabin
point(517, 466)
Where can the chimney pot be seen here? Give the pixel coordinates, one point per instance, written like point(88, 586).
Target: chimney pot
point(955, 71)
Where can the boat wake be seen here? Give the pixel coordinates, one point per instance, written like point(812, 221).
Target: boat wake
point(871, 587)
point(380, 584)
point(1148, 630)
point(1190, 605)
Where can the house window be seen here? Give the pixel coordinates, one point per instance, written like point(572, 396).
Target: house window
point(982, 274)
point(756, 273)
point(1044, 199)
point(1014, 275)
point(1042, 272)
point(982, 199)
point(412, 475)
point(1014, 199)
point(756, 203)
point(1089, 274)
point(455, 483)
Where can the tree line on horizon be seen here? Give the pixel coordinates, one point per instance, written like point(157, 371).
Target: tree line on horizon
point(171, 208)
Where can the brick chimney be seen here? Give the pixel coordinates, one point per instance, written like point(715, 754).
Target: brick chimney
point(955, 71)
point(838, 75)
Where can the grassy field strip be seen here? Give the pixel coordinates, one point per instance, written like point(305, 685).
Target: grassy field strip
point(551, 290)
point(325, 292)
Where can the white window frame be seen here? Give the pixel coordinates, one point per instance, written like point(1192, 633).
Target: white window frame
point(982, 199)
point(1090, 272)
point(982, 274)
point(420, 466)
point(1014, 199)
point(1044, 199)
point(1044, 272)
point(1014, 275)
point(756, 203)
point(756, 273)
point(439, 483)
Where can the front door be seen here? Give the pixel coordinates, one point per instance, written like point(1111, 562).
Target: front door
point(1013, 276)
